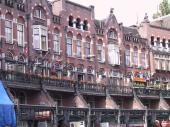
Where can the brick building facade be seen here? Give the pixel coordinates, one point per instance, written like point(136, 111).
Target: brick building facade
point(61, 65)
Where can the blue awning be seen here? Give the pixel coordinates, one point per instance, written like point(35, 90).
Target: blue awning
point(7, 112)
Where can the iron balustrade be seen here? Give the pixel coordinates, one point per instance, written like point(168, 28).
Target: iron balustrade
point(90, 88)
point(165, 93)
point(17, 77)
point(58, 84)
point(146, 92)
point(123, 90)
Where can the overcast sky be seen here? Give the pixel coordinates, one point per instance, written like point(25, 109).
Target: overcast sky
point(126, 11)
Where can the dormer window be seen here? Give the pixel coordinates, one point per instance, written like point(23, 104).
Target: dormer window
point(112, 34)
point(70, 21)
point(78, 25)
point(39, 13)
point(85, 27)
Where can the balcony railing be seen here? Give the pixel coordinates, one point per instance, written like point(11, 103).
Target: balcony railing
point(58, 84)
point(91, 88)
point(165, 93)
point(147, 92)
point(122, 90)
point(18, 79)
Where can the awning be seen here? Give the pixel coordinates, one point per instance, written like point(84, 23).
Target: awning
point(7, 112)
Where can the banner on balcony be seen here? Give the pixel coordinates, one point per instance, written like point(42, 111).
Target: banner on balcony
point(7, 112)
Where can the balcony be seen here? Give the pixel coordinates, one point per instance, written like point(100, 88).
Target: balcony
point(21, 7)
point(147, 92)
point(120, 90)
point(59, 84)
point(92, 89)
point(165, 93)
point(9, 3)
point(56, 19)
point(20, 80)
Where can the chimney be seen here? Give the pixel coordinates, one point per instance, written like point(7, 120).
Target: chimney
point(57, 6)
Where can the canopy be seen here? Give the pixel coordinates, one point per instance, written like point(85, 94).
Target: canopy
point(7, 112)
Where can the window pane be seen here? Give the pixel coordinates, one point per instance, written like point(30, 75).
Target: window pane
point(20, 34)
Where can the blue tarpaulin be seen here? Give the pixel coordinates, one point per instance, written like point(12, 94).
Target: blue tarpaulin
point(7, 112)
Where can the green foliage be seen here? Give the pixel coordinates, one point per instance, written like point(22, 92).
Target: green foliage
point(163, 9)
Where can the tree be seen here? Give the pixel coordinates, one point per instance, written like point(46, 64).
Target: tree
point(163, 9)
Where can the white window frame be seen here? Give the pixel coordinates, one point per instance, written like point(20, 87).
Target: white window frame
point(22, 43)
point(11, 31)
point(40, 14)
point(113, 50)
point(40, 35)
point(71, 46)
point(57, 43)
point(79, 46)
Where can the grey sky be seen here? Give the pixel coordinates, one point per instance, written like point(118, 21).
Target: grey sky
point(126, 11)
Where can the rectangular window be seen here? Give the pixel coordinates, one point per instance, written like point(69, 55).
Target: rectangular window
point(8, 31)
point(20, 34)
point(113, 50)
point(99, 52)
point(88, 50)
point(79, 53)
point(56, 43)
point(40, 40)
point(143, 59)
point(135, 58)
point(69, 47)
point(127, 57)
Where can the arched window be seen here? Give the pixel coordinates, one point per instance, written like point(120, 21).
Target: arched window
point(79, 46)
point(56, 39)
point(70, 22)
point(127, 55)
point(20, 31)
point(39, 13)
point(69, 44)
point(85, 25)
point(78, 25)
point(135, 56)
point(9, 28)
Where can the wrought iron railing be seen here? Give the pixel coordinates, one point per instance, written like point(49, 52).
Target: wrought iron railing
point(17, 77)
point(91, 88)
point(123, 90)
point(146, 92)
point(58, 84)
